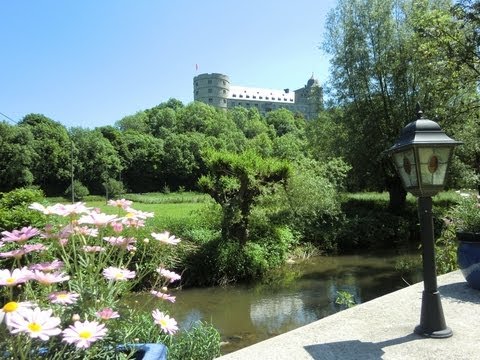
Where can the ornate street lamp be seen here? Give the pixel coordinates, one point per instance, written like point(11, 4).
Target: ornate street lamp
point(422, 156)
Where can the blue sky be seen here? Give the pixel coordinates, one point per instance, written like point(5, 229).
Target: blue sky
point(90, 63)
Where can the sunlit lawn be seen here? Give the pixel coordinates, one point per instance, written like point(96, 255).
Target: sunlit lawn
point(161, 211)
point(164, 206)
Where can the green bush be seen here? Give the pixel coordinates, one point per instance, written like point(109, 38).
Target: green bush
point(114, 188)
point(446, 250)
point(201, 342)
point(20, 197)
point(80, 191)
point(309, 204)
point(14, 211)
point(374, 230)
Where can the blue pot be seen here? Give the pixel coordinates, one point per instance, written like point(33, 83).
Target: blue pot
point(468, 257)
point(146, 351)
point(142, 351)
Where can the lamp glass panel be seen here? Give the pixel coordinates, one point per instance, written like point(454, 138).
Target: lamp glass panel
point(433, 164)
point(406, 167)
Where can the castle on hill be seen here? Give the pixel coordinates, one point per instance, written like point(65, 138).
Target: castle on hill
point(215, 89)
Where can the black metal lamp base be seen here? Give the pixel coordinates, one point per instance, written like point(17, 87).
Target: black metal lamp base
point(439, 334)
point(432, 321)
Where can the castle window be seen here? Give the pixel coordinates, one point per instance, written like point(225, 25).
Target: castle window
point(234, 95)
point(196, 83)
point(267, 98)
point(210, 100)
point(224, 91)
point(224, 101)
point(240, 95)
point(254, 96)
point(196, 92)
point(209, 81)
point(209, 91)
point(224, 83)
point(247, 96)
point(260, 97)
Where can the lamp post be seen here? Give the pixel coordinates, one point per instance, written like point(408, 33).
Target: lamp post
point(422, 156)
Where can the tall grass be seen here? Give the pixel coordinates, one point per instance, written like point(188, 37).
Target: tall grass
point(445, 197)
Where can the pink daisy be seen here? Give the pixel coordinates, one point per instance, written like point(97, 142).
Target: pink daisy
point(163, 296)
point(36, 323)
point(122, 242)
point(70, 209)
point(15, 277)
point(17, 254)
point(12, 308)
point(47, 266)
point(27, 248)
point(97, 219)
point(133, 223)
point(167, 324)
point(121, 203)
point(46, 210)
point(107, 314)
point(63, 297)
point(47, 278)
point(33, 247)
point(66, 231)
point(138, 214)
point(170, 275)
point(114, 273)
point(117, 227)
point(84, 334)
point(166, 238)
point(21, 235)
point(93, 249)
point(86, 231)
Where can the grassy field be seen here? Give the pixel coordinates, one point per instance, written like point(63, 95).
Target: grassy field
point(165, 206)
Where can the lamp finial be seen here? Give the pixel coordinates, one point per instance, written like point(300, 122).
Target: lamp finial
point(419, 111)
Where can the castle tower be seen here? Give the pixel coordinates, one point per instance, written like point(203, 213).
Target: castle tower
point(309, 99)
point(212, 89)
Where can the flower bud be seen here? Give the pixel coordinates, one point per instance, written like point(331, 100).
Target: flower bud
point(75, 317)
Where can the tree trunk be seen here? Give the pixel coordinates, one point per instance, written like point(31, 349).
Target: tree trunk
point(398, 194)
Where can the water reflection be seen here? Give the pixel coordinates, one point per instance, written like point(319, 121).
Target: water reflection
point(248, 314)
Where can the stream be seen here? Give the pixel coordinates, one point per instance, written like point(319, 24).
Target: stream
point(306, 292)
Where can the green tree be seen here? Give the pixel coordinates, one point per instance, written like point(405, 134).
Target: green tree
point(161, 121)
point(235, 181)
point(137, 122)
point(182, 162)
point(143, 156)
point(326, 136)
point(283, 122)
point(16, 157)
point(382, 65)
point(52, 153)
point(95, 157)
point(454, 39)
point(249, 121)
